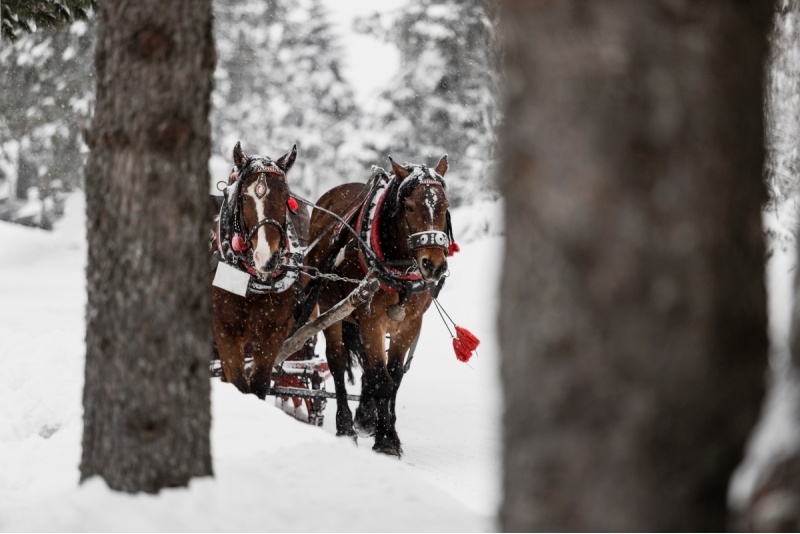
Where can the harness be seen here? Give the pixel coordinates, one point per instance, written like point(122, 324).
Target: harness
point(391, 277)
point(232, 238)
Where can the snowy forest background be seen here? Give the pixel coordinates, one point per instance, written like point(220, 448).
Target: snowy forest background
point(279, 80)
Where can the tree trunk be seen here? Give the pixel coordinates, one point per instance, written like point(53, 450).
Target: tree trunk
point(633, 317)
point(146, 398)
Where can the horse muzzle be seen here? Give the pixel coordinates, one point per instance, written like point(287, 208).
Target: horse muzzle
point(270, 265)
point(430, 271)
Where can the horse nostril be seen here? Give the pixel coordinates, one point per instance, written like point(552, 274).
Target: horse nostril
point(427, 265)
point(273, 261)
point(442, 268)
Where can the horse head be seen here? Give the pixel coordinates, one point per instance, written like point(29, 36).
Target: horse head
point(422, 207)
point(264, 198)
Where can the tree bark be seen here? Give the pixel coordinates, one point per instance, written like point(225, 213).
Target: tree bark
point(146, 398)
point(633, 316)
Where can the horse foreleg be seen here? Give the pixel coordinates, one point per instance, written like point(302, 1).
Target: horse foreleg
point(231, 356)
point(335, 354)
point(401, 342)
point(366, 419)
point(378, 385)
point(264, 354)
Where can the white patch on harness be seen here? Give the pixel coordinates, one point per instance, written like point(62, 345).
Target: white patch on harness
point(339, 257)
point(231, 279)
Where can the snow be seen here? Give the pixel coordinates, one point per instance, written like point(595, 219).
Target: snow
point(776, 436)
point(272, 473)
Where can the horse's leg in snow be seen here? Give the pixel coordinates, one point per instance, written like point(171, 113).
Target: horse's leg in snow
point(335, 354)
point(264, 354)
point(399, 344)
point(379, 386)
point(366, 414)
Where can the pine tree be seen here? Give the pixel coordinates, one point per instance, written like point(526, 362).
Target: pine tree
point(48, 96)
point(279, 83)
point(319, 102)
point(444, 98)
point(20, 16)
point(246, 34)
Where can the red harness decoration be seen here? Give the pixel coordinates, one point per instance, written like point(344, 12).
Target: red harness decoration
point(464, 344)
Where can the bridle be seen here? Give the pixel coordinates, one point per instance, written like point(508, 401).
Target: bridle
point(428, 238)
point(263, 222)
point(239, 226)
point(421, 176)
point(403, 275)
point(234, 238)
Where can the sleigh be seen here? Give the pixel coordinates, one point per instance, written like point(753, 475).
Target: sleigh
point(298, 381)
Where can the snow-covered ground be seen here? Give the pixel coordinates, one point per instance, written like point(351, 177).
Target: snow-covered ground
point(272, 473)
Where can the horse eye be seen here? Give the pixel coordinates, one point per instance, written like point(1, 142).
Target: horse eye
point(409, 209)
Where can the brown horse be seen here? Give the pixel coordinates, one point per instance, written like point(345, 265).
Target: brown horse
point(403, 228)
point(255, 287)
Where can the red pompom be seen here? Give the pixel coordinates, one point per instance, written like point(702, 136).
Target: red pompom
point(292, 203)
point(238, 243)
point(468, 339)
point(453, 248)
point(462, 353)
point(232, 177)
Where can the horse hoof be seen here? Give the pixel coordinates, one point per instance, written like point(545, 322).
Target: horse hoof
point(347, 434)
point(396, 313)
point(365, 431)
point(389, 450)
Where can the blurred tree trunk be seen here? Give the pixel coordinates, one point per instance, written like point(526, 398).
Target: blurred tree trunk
point(146, 398)
point(633, 316)
point(773, 501)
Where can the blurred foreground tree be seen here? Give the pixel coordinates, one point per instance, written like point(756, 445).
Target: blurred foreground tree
point(767, 496)
point(633, 316)
point(20, 16)
point(146, 397)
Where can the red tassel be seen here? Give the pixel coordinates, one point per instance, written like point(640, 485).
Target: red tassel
point(462, 353)
point(232, 177)
point(468, 339)
point(453, 248)
point(292, 203)
point(238, 243)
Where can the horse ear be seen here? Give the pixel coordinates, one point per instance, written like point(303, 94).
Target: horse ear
point(398, 170)
point(239, 157)
point(286, 161)
point(441, 167)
